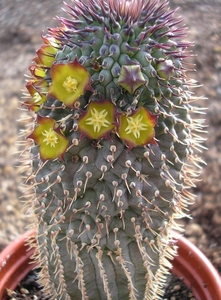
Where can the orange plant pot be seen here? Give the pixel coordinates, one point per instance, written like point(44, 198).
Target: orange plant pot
point(15, 263)
point(191, 265)
point(196, 271)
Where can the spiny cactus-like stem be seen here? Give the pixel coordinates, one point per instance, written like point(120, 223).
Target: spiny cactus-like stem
point(112, 149)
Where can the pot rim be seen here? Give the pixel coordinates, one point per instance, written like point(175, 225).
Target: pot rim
point(197, 271)
point(190, 264)
point(15, 262)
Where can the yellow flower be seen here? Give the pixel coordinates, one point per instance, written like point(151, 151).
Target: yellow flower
point(36, 89)
point(69, 82)
point(135, 125)
point(50, 139)
point(98, 121)
point(46, 55)
point(138, 128)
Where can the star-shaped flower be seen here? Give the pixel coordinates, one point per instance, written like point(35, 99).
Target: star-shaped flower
point(131, 78)
point(135, 125)
point(69, 82)
point(98, 120)
point(49, 137)
point(138, 128)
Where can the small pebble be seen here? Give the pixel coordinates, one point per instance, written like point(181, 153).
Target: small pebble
point(24, 291)
point(176, 287)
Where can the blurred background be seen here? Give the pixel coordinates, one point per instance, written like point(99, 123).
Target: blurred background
point(21, 25)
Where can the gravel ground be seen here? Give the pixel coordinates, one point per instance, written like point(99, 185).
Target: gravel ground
point(22, 22)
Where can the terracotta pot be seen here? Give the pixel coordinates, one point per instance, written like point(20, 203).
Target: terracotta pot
point(196, 271)
point(190, 264)
point(15, 263)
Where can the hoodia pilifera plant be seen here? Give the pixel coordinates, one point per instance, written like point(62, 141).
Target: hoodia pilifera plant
point(112, 146)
